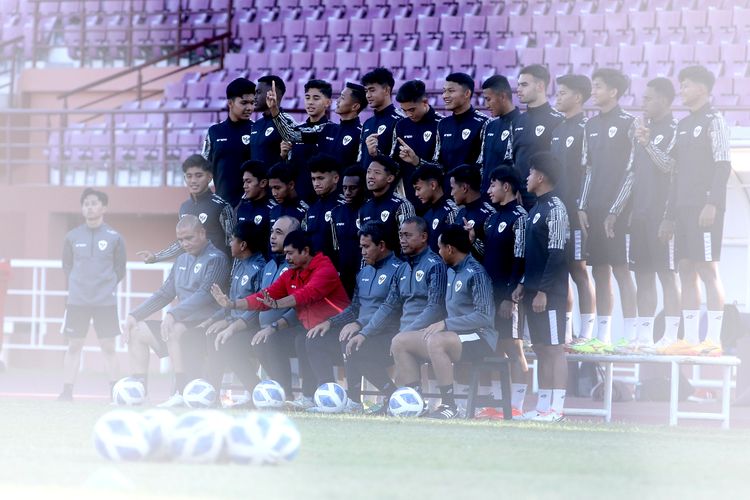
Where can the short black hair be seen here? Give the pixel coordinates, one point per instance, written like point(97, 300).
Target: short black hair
point(663, 87)
point(323, 162)
point(358, 93)
point(546, 163)
point(239, 87)
point(299, 240)
point(538, 71)
point(467, 174)
point(579, 84)
point(101, 195)
point(698, 74)
point(498, 84)
point(269, 79)
point(282, 172)
point(389, 164)
point(463, 80)
point(411, 91)
point(379, 76)
point(355, 170)
point(196, 160)
point(507, 174)
point(322, 85)
point(378, 232)
point(614, 79)
point(251, 235)
point(418, 221)
point(256, 168)
point(428, 173)
point(457, 237)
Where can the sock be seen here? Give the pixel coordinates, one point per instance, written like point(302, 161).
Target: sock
point(388, 390)
point(645, 331)
point(671, 327)
point(354, 392)
point(67, 389)
point(715, 319)
point(446, 395)
point(692, 320)
point(558, 400)
point(568, 327)
point(543, 403)
point(604, 329)
point(630, 332)
point(518, 395)
point(181, 381)
point(417, 386)
point(588, 322)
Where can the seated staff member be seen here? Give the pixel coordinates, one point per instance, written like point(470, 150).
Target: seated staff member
point(466, 334)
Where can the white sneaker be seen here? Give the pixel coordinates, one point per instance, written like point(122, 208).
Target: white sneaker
point(547, 416)
point(175, 401)
point(656, 348)
point(302, 403)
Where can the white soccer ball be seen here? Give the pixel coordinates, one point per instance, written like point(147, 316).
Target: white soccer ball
point(268, 394)
point(159, 425)
point(406, 402)
point(199, 394)
point(199, 436)
point(263, 438)
point(128, 391)
point(121, 435)
point(330, 398)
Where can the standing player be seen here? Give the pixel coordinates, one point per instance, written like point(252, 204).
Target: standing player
point(465, 183)
point(227, 144)
point(440, 209)
point(647, 179)
point(498, 97)
point(324, 170)
point(283, 189)
point(349, 105)
point(532, 131)
point(695, 210)
point(344, 227)
point(544, 287)
point(607, 148)
point(94, 261)
point(377, 132)
point(265, 140)
point(567, 146)
point(255, 206)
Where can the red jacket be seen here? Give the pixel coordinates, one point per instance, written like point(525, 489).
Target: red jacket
point(317, 290)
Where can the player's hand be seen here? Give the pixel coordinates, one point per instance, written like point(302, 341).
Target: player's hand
point(267, 300)
point(167, 326)
point(666, 231)
point(219, 296)
point(406, 153)
point(609, 225)
point(372, 144)
point(517, 295)
point(433, 328)
point(539, 304)
point(262, 336)
point(707, 216)
point(506, 309)
point(642, 133)
point(272, 100)
point(355, 343)
point(130, 324)
point(217, 327)
point(469, 226)
point(223, 336)
point(319, 330)
point(147, 255)
point(284, 148)
point(349, 330)
point(583, 218)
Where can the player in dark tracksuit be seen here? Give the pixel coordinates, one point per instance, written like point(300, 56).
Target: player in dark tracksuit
point(265, 139)
point(498, 97)
point(465, 182)
point(227, 144)
point(283, 190)
point(349, 105)
point(532, 131)
point(256, 204)
point(440, 209)
point(544, 287)
point(324, 171)
point(345, 227)
point(377, 131)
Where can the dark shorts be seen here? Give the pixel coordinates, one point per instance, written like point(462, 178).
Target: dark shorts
point(695, 243)
point(473, 347)
point(78, 319)
point(376, 349)
point(548, 327)
point(603, 250)
point(647, 252)
point(507, 328)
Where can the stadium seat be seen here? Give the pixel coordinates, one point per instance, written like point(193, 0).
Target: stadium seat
point(582, 59)
point(721, 24)
point(324, 64)
point(360, 31)
point(462, 60)
point(414, 65)
point(734, 57)
point(631, 60)
point(696, 29)
point(393, 60)
point(475, 29)
point(605, 57)
point(530, 55)
point(452, 33)
point(437, 63)
point(405, 29)
point(658, 58)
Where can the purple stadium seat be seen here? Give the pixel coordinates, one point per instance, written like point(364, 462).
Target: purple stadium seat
point(346, 62)
point(405, 29)
point(734, 57)
point(658, 58)
point(361, 34)
point(324, 64)
point(453, 35)
point(235, 61)
point(520, 25)
point(723, 93)
point(557, 60)
point(544, 30)
point(414, 65)
point(175, 91)
point(741, 22)
point(709, 56)
point(582, 59)
point(302, 65)
point(294, 33)
point(475, 29)
point(682, 54)
point(462, 60)
point(437, 63)
point(637, 88)
point(530, 55)
point(740, 86)
point(721, 24)
point(382, 33)
point(631, 60)
point(367, 61)
point(196, 90)
point(393, 60)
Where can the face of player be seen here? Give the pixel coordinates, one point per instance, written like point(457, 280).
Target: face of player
point(260, 96)
point(602, 95)
point(533, 181)
point(692, 92)
point(345, 102)
point(497, 191)
point(653, 104)
point(197, 180)
point(426, 191)
point(93, 209)
point(377, 95)
point(445, 251)
point(411, 240)
point(278, 232)
point(455, 96)
point(371, 253)
point(238, 247)
point(377, 178)
point(324, 182)
point(528, 89)
point(494, 102)
point(316, 104)
point(240, 108)
point(280, 190)
point(253, 187)
point(295, 258)
point(192, 240)
point(352, 188)
point(565, 99)
point(459, 192)
point(415, 111)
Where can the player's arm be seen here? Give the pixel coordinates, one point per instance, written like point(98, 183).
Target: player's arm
point(226, 220)
point(586, 184)
point(626, 187)
point(172, 251)
point(557, 225)
point(722, 165)
point(663, 158)
point(120, 259)
point(404, 211)
point(287, 127)
point(519, 251)
point(67, 257)
point(391, 304)
point(434, 311)
point(158, 300)
point(250, 316)
point(216, 272)
point(207, 150)
point(482, 316)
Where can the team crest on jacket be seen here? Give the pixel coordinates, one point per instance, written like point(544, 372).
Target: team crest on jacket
point(269, 131)
point(569, 141)
point(381, 279)
point(697, 131)
point(346, 140)
point(612, 132)
point(536, 218)
point(244, 280)
point(465, 133)
point(197, 267)
point(501, 227)
point(658, 139)
point(102, 245)
point(384, 215)
point(539, 130)
point(457, 286)
point(435, 223)
point(381, 129)
point(258, 219)
point(504, 135)
point(427, 135)
point(202, 217)
point(327, 216)
point(419, 275)
point(245, 140)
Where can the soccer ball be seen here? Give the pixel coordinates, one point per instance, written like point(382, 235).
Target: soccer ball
point(121, 435)
point(406, 402)
point(330, 398)
point(268, 394)
point(263, 438)
point(159, 425)
point(128, 391)
point(199, 394)
point(199, 436)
